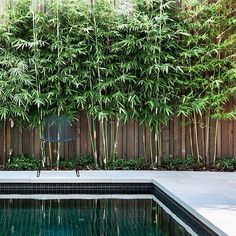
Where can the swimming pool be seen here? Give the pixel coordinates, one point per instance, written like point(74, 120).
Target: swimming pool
point(91, 217)
point(13, 210)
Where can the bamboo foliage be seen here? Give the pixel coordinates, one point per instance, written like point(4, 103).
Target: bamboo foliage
point(147, 62)
point(204, 87)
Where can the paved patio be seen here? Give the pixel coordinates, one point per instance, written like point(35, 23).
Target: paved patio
point(211, 196)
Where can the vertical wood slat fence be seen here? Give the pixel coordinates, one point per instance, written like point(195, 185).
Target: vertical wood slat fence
point(134, 140)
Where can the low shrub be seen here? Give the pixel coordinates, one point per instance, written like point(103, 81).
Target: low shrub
point(86, 162)
point(67, 165)
point(22, 162)
point(188, 163)
point(122, 164)
point(224, 164)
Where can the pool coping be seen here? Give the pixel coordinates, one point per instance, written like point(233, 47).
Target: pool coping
point(30, 178)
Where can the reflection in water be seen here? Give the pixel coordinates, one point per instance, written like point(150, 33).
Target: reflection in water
point(103, 217)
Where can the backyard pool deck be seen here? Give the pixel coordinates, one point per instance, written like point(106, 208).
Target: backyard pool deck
point(210, 196)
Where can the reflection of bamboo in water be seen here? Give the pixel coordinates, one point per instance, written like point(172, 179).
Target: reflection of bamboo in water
point(94, 214)
point(116, 216)
point(58, 212)
point(49, 211)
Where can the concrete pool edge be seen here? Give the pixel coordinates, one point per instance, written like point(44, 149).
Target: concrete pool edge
point(189, 209)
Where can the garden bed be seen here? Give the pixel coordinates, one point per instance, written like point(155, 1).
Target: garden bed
point(86, 162)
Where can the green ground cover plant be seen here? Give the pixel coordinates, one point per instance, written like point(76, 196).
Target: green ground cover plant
point(86, 162)
point(148, 62)
point(22, 162)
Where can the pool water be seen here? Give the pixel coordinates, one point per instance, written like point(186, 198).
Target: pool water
point(86, 217)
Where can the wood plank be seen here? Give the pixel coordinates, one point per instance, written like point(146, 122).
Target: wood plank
point(20, 140)
point(78, 134)
point(201, 136)
point(14, 139)
point(176, 135)
point(234, 132)
point(187, 139)
point(230, 134)
point(130, 139)
point(166, 141)
point(120, 141)
point(25, 141)
point(225, 136)
point(136, 139)
point(37, 151)
point(212, 138)
point(8, 140)
point(2, 138)
point(124, 141)
point(219, 144)
point(140, 141)
point(183, 149)
point(171, 133)
point(148, 144)
point(84, 134)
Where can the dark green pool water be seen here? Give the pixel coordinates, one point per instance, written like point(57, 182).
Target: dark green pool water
point(131, 217)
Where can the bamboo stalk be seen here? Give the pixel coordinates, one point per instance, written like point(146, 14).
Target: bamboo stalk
point(104, 143)
point(215, 143)
point(191, 138)
point(207, 137)
point(92, 135)
point(156, 146)
point(116, 138)
point(4, 142)
point(106, 140)
point(202, 137)
point(50, 153)
point(151, 150)
point(159, 148)
point(95, 142)
point(196, 136)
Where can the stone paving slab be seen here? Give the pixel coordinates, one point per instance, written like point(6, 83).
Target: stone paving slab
point(211, 196)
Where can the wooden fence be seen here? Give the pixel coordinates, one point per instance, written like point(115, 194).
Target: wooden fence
point(177, 139)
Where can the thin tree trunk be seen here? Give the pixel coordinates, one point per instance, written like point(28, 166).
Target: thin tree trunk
point(207, 136)
point(50, 153)
point(58, 154)
point(202, 138)
point(104, 144)
point(151, 150)
point(95, 142)
point(159, 148)
point(116, 138)
point(215, 143)
point(4, 142)
point(196, 136)
point(156, 146)
point(191, 138)
point(92, 135)
point(106, 139)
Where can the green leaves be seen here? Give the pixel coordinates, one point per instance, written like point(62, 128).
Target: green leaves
point(146, 65)
point(204, 58)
